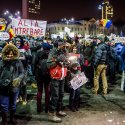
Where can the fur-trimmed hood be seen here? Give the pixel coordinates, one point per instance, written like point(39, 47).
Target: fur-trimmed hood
point(10, 47)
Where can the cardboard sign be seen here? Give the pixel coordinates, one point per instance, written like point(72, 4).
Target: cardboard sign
point(29, 27)
point(78, 81)
point(4, 36)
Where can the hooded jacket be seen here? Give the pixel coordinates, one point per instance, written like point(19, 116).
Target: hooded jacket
point(100, 54)
point(10, 69)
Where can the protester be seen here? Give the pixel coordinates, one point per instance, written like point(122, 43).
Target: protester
point(11, 74)
point(74, 94)
point(42, 76)
point(100, 65)
point(56, 61)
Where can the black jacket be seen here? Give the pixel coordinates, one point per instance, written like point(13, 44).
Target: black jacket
point(100, 54)
point(10, 70)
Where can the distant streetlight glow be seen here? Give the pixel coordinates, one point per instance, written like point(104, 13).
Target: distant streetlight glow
point(18, 12)
point(9, 15)
point(100, 7)
point(67, 21)
point(72, 19)
point(6, 12)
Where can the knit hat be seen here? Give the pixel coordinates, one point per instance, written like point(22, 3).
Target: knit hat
point(18, 39)
point(74, 64)
point(46, 46)
point(101, 38)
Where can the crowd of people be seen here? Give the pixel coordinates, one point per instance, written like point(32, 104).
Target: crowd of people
point(46, 61)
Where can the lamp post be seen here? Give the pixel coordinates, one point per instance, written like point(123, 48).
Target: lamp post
point(100, 7)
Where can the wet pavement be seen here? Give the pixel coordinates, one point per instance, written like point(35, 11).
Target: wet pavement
point(94, 109)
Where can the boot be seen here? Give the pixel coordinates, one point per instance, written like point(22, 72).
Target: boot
point(52, 117)
point(4, 118)
point(61, 113)
point(72, 109)
point(71, 106)
point(76, 107)
point(12, 118)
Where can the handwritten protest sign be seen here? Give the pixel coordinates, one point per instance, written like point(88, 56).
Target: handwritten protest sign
point(78, 81)
point(29, 27)
point(4, 36)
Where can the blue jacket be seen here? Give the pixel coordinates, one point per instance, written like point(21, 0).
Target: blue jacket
point(122, 56)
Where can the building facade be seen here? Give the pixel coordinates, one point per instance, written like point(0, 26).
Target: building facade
point(88, 26)
point(57, 27)
point(31, 9)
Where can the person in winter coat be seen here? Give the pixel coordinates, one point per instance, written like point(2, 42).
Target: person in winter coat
point(112, 56)
point(118, 49)
point(122, 56)
point(35, 47)
point(56, 61)
point(100, 65)
point(42, 76)
point(11, 74)
point(88, 52)
point(74, 94)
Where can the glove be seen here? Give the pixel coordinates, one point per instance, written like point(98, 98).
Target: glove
point(7, 82)
point(61, 58)
point(16, 82)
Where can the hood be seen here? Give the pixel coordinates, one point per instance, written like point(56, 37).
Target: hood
point(10, 47)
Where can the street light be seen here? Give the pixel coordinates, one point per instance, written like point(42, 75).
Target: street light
point(6, 12)
point(18, 12)
point(100, 7)
point(8, 15)
point(72, 19)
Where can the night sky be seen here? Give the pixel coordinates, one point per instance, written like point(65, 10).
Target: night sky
point(57, 9)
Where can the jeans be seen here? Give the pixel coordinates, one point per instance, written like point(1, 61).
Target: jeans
point(74, 97)
point(43, 84)
point(8, 102)
point(57, 93)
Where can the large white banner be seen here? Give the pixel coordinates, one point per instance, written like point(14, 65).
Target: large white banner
point(29, 27)
point(78, 81)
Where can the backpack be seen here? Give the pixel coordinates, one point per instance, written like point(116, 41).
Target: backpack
point(43, 69)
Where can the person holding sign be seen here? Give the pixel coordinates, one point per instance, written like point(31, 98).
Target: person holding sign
point(74, 93)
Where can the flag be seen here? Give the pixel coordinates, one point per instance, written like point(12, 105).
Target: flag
point(101, 22)
point(2, 27)
point(105, 22)
point(108, 24)
point(11, 33)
